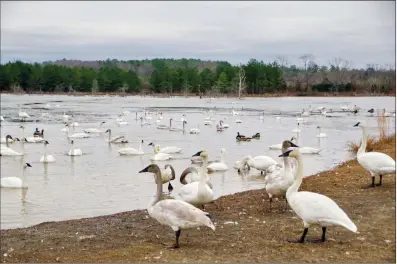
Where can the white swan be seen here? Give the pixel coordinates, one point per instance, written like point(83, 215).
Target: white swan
point(238, 121)
point(8, 138)
point(314, 208)
point(22, 114)
point(261, 163)
point(73, 151)
point(167, 150)
point(195, 130)
point(47, 158)
point(183, 118)
point(95, 130)
point(30, 139)
point(278, 180)
point(7, 151)
point(223, 125)
point(176, 214)
point(159, 156)
point(296, 130)
point(116, 139)
point(161, 126)
point(176, 128)
point(198, 193)
point(218, 166)
point(131, 151)
point(1, 118)
point(320, 135)
point(309, 150)
point(15, 182)
point(279, 146)
point(376, 163)
point(65, 117)
point(76, 135)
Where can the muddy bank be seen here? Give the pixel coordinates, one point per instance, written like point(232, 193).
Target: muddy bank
point(246, 230)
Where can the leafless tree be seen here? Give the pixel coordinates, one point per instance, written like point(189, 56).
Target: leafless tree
point(282, 61)
point(308, 62)
point(241, 81)
point(340, 67)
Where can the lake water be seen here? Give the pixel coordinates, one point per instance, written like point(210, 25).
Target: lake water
point(102, 182)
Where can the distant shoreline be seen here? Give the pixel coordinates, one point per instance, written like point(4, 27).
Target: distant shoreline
point(265, 95)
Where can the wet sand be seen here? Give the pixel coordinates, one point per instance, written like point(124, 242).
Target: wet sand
point(257, 235)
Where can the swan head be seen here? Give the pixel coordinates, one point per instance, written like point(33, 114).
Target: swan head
point(108, 131)
point(360, 124)
point(150, 144)
point(152, 168)
point(201, 153)
point(318, 127)
point(223, 150)
point(21, 127)
point(27, 165)
point(293, 138)
point(142, 141)
point(293, 153)
point(71, 142)
point(9, 136)
point(46, 142)
point(288, 144)
point(16, 139)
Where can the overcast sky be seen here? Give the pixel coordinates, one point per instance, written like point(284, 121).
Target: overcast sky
point(362, 32)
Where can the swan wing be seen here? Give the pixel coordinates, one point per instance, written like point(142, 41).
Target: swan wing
point(217, 166)
point(377, 162)
point(180, 215)
point(315, 208)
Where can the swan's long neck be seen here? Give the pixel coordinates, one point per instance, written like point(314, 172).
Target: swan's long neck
point(223, 157)
point(170, 123)
point(140, 146)
point(204, 169)
point(159, 188)
point(110, 134)
point(45, 150)
point(363, 146)
point(7, 144)
point(298, 180)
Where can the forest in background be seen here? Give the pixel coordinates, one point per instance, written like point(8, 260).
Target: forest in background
point(196, 76)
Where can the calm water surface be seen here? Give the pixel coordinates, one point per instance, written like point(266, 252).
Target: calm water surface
point(101, 182)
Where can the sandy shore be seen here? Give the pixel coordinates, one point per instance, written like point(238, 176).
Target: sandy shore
point(256, 236)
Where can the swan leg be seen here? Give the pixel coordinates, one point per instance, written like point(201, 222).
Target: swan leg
point(302, 239)
point(322, 239)
point(372, 185)
point(270, 204)
point(176, 245)
point(286, 204)
point(380, 181)
point(170, 188)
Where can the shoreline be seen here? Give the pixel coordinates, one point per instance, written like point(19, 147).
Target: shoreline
point(204, 97)
point(258, 235)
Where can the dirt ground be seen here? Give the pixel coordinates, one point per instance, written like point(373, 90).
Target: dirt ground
point(256, 235)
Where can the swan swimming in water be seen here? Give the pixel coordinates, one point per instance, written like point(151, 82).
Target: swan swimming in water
point(15, 182)
point(131, 151)
point(8, 138)
point(218, 166)
point(116, 139)
point(198, 193)
point(261, 163)
point(314, 208)
point(320, 135)
point(73, 151)
point(76, 135)
point(95, 130)
point(47, 158)
point(167, 150)
point(176, 214)
point(376, 163)
point(6, 150)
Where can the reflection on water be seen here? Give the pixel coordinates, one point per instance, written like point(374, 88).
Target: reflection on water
point(102, 182)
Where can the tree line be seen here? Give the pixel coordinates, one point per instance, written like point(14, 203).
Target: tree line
point(195, 76)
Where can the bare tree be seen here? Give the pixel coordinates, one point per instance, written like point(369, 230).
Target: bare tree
point(241, 82)
point(282, 61)
point(308, 63)
point(340, 67)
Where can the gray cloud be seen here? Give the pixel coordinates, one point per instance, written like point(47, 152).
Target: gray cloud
point(362, 32)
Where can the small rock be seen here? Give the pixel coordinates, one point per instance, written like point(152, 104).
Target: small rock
point(257, 220)
point(157, 257)
point(77, 233)
point(361, 238)
point(42, 240)
point(198, 228)
point(387, 241)
point(5, 255)
point(264, 222)
point(347, 253)
point(146, 216)
point(57, 259)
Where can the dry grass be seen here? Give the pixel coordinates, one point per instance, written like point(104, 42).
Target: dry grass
point(373, 142)
point(260, 235)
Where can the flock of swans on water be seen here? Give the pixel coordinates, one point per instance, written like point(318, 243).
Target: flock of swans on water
point(281, 180)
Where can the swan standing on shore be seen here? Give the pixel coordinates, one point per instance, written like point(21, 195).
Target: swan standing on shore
point(47, 158)
point(131, 151)
point(376, 163)
point(314, 208)
point(174, 213)
point(15, 182)
point(218, 166)
point(278, 180)
point(73, 151)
